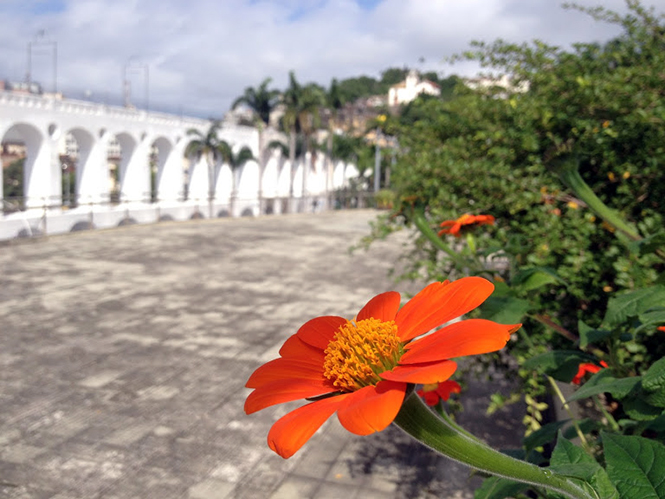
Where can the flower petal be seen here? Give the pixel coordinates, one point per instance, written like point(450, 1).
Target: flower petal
point(292, 431)
point(470, 337)
point(432, 372)
point(440, 302)
point(382, 307)
point(447, 387)
point(286, 390)
point(320, 331)
point(430, 398)
point(295, 347)
point(288, 368)
point(372, 408)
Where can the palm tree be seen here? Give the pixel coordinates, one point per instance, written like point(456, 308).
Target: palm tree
point(235, 162)
point(262, 102)
point(291, 101)
point(311, 100)
point(211, 147)
point(334, 102)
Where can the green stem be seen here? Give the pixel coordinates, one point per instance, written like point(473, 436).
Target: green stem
point(562, 399)
point(422, 224)
point(610, 419)
point(416, 419)
point(448, 419)
point(571, 177)
point(545, 320)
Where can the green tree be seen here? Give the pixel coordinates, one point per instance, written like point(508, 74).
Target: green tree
point(213, 149)
point(504, 151)
point(392, 76)
point(291, 100)
point(235, 161)
point(12, 183)
point(334, 104)
point(262, 102)
point(309, 119)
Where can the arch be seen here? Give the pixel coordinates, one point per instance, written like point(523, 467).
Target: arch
point(127, 221)
point(133, 171)
point(165, 170)
point(34, 182)
point(85, 161)
point(82, 225)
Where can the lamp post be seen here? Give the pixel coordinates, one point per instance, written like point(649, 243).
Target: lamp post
point(65, 172)
point(377, 162)
point(39, 41)
point(135, 67)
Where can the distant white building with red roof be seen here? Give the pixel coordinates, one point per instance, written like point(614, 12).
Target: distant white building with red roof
point(409, 89)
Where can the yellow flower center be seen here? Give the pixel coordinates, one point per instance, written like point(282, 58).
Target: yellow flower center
point(360, 351)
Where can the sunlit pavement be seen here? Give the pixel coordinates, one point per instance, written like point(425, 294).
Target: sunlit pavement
point(124, 354)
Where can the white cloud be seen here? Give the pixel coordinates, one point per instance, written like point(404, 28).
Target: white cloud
point(203, 53)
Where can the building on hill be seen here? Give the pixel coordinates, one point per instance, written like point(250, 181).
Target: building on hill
point(501, 84)
point(409, 89)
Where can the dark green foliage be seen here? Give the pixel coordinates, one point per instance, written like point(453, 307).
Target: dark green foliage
point(12, 179)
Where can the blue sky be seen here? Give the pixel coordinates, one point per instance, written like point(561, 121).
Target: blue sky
point(201, 54)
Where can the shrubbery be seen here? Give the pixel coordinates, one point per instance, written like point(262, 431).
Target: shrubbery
point(583, 273)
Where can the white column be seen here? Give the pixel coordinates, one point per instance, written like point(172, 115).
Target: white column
point(92, 171)
point(37, 171)
point(136, 174)
point(198, 180)
point(170, 179)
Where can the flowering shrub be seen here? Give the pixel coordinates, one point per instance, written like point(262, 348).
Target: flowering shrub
point(571, 169)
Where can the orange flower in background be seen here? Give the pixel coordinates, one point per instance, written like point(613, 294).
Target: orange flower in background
point(434, 392)
point(360, 369)
point(661, 328)
point(455, 226)
point(587, 368)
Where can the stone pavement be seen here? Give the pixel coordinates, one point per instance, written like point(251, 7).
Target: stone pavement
point(123, 355)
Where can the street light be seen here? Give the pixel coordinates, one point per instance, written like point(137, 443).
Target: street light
point(65, 167)
point(41, 42)
point(135, 67)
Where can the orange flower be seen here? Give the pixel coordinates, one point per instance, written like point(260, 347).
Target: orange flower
point(434, 392)
point(361, 368)
point(587, 368)
point(661, 328)
point(454, 226)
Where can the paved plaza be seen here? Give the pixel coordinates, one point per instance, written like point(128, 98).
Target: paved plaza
point(124, 354)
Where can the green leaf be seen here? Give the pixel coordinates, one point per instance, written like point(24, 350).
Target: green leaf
point(605, 382)
point(654, 378)
point(543, 435)
point(635, 465)
point(499, 488)
point(650, 319)
point(656, 399)
point(650, 244)
point(583, 471)
point(639, 409)
point(586, 425)
point(565, 452)
point(570, 460)
point(560, 364)
point(589, 335)
point(534, 278)
point(632, 304)
point(504, 309)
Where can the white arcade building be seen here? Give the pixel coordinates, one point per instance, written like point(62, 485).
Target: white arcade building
point(155, 181)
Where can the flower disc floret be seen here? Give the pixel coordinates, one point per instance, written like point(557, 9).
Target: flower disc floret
point(360, 351)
